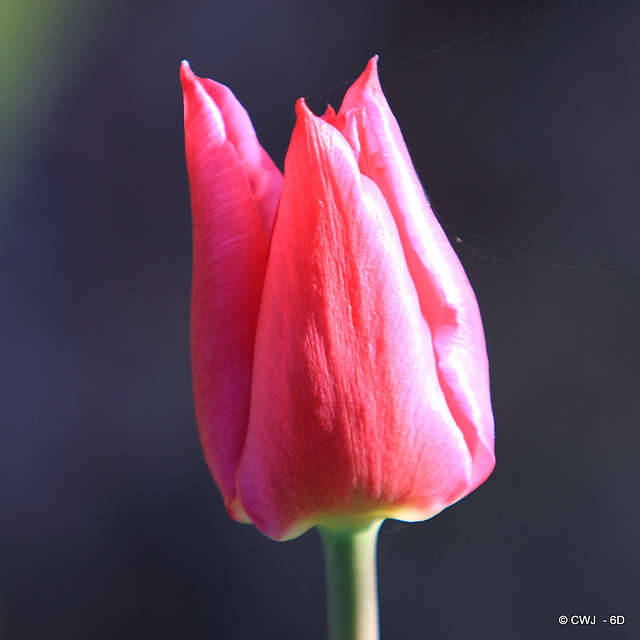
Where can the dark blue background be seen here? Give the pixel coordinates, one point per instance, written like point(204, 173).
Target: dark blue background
point(527, 140)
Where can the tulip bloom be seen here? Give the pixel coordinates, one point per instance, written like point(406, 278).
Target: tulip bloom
point(339, 362)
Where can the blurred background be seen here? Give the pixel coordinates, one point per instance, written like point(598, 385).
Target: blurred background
point(526, 139)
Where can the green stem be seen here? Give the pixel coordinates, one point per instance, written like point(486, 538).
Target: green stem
point(352, 594)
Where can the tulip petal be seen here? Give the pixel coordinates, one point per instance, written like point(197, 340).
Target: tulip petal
point(348, 414)
point(446, 297)
point(263, 175)
point(229, 262)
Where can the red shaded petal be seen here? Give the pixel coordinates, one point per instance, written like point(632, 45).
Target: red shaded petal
point(263, 175)
point(348, 415)
point(446, 297)
point(229, 262)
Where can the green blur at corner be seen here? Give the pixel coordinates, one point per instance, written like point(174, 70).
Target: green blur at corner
point(41, 48)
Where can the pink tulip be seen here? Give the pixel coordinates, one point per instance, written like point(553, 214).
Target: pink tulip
point(339, 361)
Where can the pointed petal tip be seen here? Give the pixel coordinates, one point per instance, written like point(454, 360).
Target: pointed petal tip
point(302, 110)
point(186, 75)
point(366, 87)
point(370, 75)
point(329, 114)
